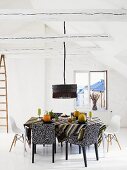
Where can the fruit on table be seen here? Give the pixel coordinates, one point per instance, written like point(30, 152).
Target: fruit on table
point(70, 119)
point(76, 113)
point(82, 117)
point(47, 118)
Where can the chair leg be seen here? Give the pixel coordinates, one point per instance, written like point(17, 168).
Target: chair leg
point(117, 141)
point(61, 144)
point(53, 152)
point(12, 143)
point(84, 155)
point(79, 149)
point(66, 150)
point(55, 147)
point(111, 137)
point(108, 141)
point(96, 151)
point(33, 150)
point(15, 140)
point(24, 141)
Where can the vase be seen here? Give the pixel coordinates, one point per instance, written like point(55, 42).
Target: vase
point(94, 105)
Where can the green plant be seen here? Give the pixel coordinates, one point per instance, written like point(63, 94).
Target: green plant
point(56, 117)
point(51, 113)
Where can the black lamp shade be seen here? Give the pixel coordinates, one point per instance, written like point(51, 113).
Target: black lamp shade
point(64, 91)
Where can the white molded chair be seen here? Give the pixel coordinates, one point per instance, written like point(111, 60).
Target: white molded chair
point(112, 130)
point(19, 134)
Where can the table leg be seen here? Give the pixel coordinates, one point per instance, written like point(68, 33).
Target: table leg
point(24, 141)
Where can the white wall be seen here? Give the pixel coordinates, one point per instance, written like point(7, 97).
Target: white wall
point(117, 96)
point(26, 87)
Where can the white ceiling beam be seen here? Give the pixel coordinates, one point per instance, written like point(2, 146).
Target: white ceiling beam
point(65, 37)
point(45, 50)
point(42, 53)
point(66, 15)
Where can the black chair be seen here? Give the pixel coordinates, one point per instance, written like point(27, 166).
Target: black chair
point(43, 134)
point(90, 136)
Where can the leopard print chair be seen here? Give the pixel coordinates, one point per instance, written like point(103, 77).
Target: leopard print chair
point(90, 136)
point(43, 134)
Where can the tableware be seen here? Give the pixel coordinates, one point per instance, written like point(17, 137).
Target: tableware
point(65, 116)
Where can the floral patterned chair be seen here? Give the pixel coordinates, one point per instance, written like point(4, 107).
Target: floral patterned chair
point(43, 134)
point(89, 137)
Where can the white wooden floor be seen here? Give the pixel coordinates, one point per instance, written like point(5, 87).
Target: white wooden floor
point(15, 160)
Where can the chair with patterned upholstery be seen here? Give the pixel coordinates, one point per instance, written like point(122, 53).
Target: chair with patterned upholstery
point(89, 137)
point(43, 134)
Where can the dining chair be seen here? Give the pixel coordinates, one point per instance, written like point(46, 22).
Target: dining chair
point(43, 133)
point(90, 136)
point(112, 130)
point(19, 134)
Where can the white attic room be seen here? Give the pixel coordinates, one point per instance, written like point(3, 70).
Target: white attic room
point(32, 38)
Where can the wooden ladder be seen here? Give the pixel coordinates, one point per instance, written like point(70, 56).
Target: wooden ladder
point(3, 94)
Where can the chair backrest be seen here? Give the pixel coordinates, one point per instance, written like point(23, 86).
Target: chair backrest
point(115, 123)
point(43, 133)
point(91, 134)
point(13, 124)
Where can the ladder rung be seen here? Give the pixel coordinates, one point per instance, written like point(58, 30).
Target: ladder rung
point(2, 87)
point(2, 102)
point(2, 80)
point(2, 73)
point(2, 66)
point(3, 125)
point(2, 110)
point(2, 117)
point(2, 95)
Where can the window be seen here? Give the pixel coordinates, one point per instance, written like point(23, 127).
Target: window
point(90, 86)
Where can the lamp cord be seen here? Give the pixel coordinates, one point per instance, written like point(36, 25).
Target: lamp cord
point(64, 53)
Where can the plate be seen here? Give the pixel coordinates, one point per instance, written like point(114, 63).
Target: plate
point(65, 116)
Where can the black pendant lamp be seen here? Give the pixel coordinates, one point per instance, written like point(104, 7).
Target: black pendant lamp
point(64, 91)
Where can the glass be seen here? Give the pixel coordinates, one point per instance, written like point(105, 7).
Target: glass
point(39, 113)
point(90, 115)
point(82, 81)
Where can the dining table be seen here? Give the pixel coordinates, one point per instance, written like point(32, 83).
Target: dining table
point(65, 128)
